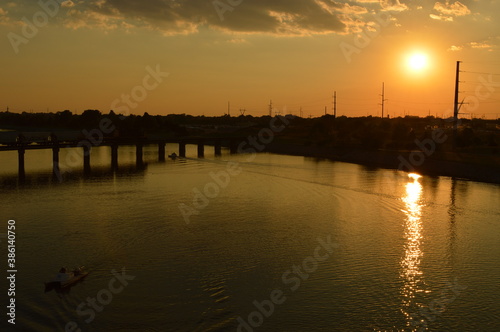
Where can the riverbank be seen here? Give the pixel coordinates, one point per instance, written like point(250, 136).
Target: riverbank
point(483, 168)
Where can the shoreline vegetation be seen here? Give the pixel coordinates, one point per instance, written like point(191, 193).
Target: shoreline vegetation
point(425, 145)
point(455, 165)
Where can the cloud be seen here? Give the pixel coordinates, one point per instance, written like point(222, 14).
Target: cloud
point(484, 45)
point(366, 1)
point(393, 5)
point(170, 17)
point(4, 18)
point(77, 19)
point(348, 9)
point(441, 18)
point(237, 41)
point(447, 11)
point(454, 48)
point(452, 9)
point(67, 4)
point(243, 17)
point(480, 45)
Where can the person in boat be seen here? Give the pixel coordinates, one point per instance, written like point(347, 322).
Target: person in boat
point(62, 278)
point(64, 275)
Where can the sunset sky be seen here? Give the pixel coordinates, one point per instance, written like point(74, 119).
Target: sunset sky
point(80, 55)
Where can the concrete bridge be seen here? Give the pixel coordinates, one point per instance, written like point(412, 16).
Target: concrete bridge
point(20, 145)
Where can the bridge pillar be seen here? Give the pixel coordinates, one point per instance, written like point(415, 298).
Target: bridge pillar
point(138, 154)
point(182, 149)
point(55, 156)
point(233, 147)
point(161, 151)
point(20, 142)
point(55, 161)
point(218, 148)
point(86, 158)
point(114, 156)
point(20, 154)
point(201, 149)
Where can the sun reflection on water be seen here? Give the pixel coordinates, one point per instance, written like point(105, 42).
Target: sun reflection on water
point(410, 262)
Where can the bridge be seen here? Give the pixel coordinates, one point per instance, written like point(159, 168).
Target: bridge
point(21, 145)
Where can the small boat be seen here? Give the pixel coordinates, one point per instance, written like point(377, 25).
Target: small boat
point(173, 156)
point(74, 277)
point(78, 275)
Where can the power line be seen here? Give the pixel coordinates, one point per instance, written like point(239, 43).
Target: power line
point(478, 72)
point(416, 102)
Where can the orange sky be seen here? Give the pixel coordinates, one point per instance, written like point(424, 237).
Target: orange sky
point(81, 55)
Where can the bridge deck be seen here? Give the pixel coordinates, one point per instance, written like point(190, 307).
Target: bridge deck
point(10, 146)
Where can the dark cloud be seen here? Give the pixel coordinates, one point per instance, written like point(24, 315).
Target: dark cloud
point(171, 17)
point(290, 17)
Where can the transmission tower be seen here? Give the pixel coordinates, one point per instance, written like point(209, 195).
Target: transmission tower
point(455, 102)
point(383, 99)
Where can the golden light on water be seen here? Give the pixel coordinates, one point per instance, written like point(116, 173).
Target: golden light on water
point(410, 263)
point(414, 176)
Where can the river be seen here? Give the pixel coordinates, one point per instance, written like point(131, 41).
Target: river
point(261, 242)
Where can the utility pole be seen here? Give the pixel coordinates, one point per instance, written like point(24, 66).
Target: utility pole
point(455, 103)
point(383, 99)
point(229, 108)
point(326, 107)
point(271, 108)
point(335, 104)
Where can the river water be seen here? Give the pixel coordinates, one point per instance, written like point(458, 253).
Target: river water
point(250, 243)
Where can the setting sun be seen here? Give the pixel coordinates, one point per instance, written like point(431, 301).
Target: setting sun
point(418, 62)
